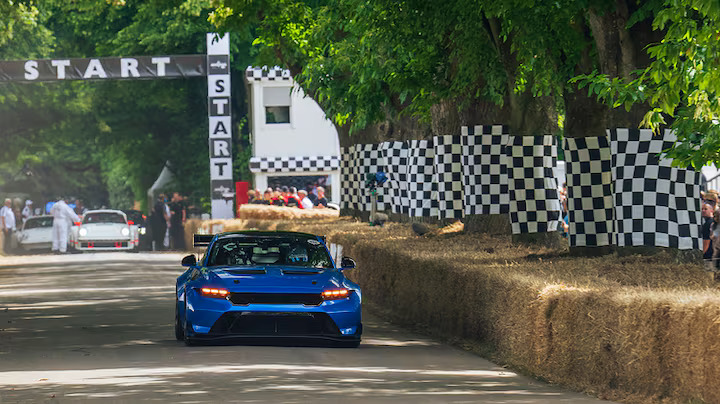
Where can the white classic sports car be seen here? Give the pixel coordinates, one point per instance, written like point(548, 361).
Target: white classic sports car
point(104, 230)
point(36, 233)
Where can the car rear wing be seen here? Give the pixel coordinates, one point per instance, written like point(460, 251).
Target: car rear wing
point(202, 240)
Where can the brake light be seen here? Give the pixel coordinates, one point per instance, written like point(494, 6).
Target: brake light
point(130, 222)
point(212, 292)
point(334, 294)
point(77, 223)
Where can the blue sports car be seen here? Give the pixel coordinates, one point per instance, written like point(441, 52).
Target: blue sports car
point(265, 285)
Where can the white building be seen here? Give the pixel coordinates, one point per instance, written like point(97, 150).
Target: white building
point(290, 134)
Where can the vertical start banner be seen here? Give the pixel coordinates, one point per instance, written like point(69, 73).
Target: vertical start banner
point(222, 188)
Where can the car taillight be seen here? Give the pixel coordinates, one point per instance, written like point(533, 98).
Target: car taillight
point(130, 223)
point(212, 292)
point(77, 223)
point(334, 294)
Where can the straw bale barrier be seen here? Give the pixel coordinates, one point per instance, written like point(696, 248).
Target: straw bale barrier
point(636, 329)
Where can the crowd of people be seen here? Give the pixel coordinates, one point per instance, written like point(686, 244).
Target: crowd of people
point(711, 228)
point(167, 222)
point(309, 198)
point(12, 218)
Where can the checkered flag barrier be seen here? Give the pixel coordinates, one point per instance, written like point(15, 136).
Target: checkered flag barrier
point(485, 176)
point(358, 160)
point(588, 163)
point(396, 156)
point(449, 176)
point(347, 180)
point(370, 160)
point(266, 74)
point(534, 201)
point(422, 188)
point(294, 164)
point(655, 204)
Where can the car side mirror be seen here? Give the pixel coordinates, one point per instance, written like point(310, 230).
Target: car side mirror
point(347, 263)
point(189, 260)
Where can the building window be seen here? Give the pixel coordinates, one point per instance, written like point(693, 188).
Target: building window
point(277, 104)
point(277, 114)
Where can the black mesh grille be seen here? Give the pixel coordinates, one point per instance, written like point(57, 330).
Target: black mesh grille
point(308, 299)
point(269, 323)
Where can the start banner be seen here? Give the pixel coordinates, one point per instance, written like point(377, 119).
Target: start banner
point(133, 67)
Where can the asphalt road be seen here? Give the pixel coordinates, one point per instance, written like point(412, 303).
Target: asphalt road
point(99, 328)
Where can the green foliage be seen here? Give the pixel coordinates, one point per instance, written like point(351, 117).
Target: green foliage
point(681, 85)
point(122, 131)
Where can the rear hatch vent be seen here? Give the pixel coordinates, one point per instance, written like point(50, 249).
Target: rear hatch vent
point(246, 271)
point(301, 272)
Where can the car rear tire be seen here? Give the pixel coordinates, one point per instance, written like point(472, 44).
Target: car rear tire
point(188, 330)
point(179, 332)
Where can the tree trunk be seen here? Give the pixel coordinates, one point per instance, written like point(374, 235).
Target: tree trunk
point(529, 116)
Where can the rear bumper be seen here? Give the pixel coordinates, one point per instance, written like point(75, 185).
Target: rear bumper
point(35, 246)
point(338, 320)
point(271, 338)
point(103, 245)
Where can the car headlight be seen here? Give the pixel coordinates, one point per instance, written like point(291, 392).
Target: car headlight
point(142, 230)
point(82, 232)
point(125, 231)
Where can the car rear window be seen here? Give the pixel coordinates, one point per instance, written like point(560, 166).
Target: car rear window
point(271, 250)
point(104, 217)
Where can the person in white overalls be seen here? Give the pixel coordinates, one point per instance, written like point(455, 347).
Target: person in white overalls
point(63, 216)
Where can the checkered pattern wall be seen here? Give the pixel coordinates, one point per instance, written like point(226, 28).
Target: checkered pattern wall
point(347, 181)
point(655, 204)
point(294, 164)
point(370, 160)
point(266, 74)
point(534, 200)
point(357, 161)
point(449, 176)
point(485, 169)
point(396, 156)
point(590, 199)
point(422, 188)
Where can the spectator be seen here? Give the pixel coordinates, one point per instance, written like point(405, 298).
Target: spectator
point(7, 219)
point(80, 208)
point(310, 188)
point(158, 224)
point(321, 202)
point(63, 217)
point(178, 217)
point(707, 221)
point(563, 192)
point(27, 211)
point(305, 202)
point(277, 198)
point(266, 198)
point(292, 198)
point(711, 197)
point(251, 196)
point(715, 237)
point(566, 219)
